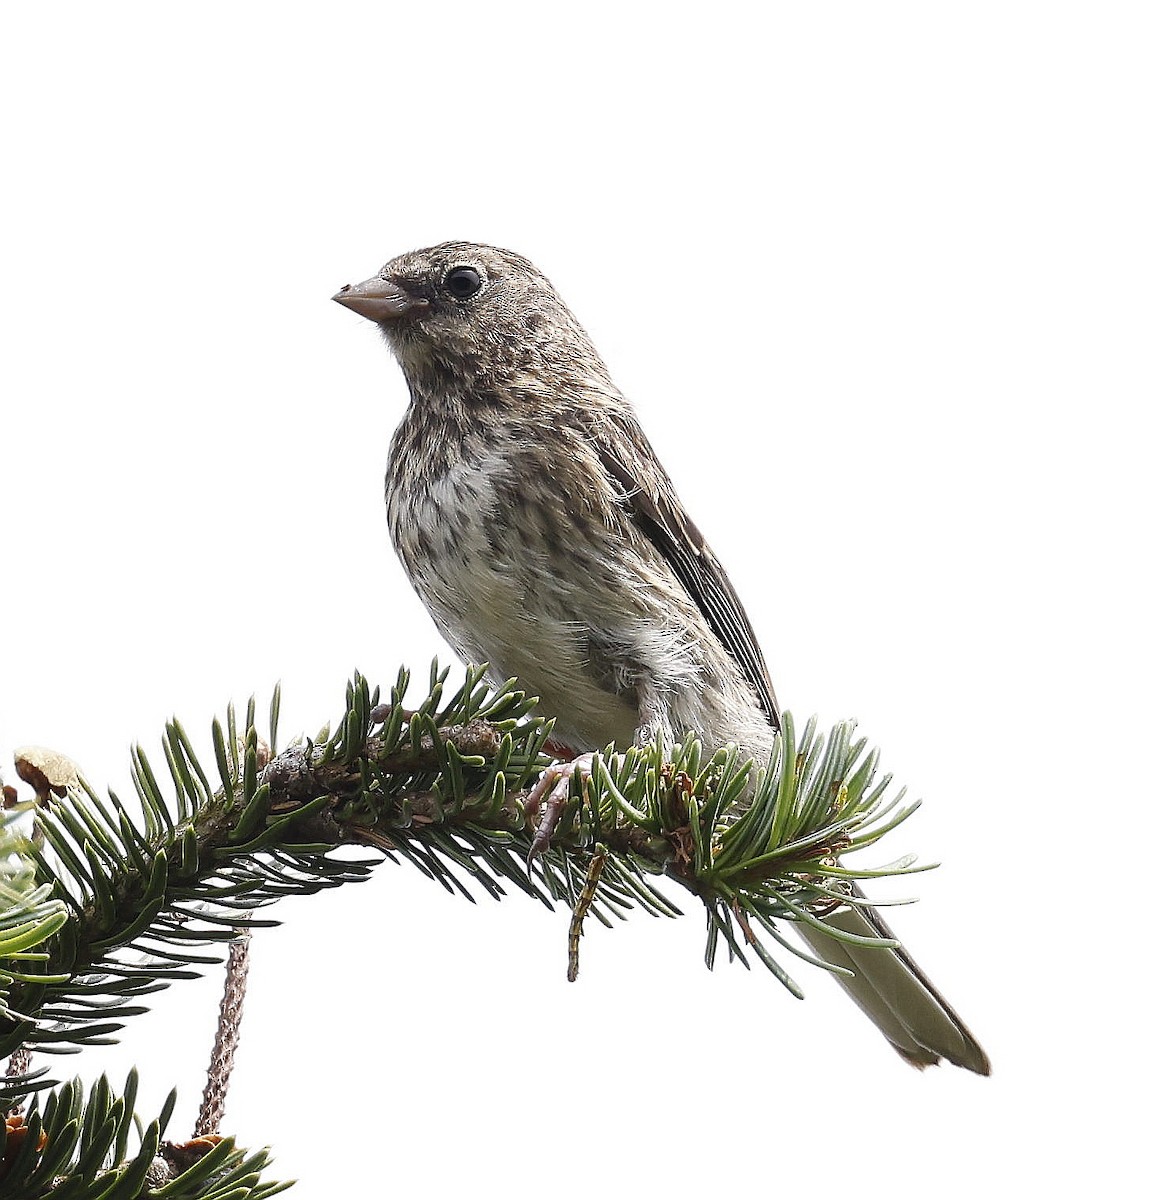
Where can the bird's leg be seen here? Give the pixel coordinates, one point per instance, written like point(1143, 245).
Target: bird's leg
point(550, 797)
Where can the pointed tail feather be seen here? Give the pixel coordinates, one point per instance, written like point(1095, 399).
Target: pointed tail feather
point(896, 994)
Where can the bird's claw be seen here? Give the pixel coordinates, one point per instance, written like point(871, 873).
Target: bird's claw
point(549, 798)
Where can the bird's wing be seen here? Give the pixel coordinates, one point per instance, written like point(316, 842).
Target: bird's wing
point(657, 512)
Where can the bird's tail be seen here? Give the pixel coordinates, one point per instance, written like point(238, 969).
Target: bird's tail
point(895, 993)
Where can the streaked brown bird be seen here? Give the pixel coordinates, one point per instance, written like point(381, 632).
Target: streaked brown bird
point(546, 539)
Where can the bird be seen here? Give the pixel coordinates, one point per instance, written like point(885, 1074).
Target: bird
point(546, 539)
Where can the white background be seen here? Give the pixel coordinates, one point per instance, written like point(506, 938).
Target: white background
point(876, 277)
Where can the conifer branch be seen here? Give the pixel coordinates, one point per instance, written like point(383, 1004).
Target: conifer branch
point(105, 905)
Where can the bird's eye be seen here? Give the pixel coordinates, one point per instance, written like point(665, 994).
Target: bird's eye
point(463, 282)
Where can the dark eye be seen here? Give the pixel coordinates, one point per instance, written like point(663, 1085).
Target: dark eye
point(463, 282)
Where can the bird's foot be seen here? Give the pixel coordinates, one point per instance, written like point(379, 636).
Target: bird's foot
point(549, 798)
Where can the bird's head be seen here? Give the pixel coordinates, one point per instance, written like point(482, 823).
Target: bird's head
point(465, 314)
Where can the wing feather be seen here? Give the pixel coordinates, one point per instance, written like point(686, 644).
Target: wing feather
point(656, 510)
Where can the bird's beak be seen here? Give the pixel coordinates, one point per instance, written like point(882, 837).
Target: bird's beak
point(378, 299)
